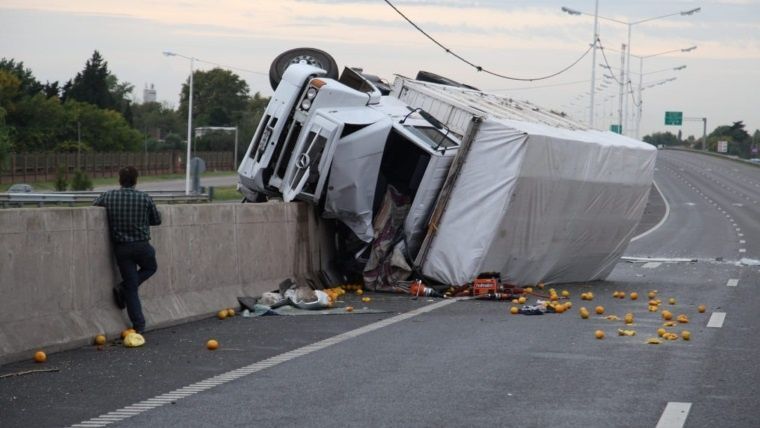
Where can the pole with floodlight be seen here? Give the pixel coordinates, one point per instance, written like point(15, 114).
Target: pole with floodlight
point(189, 119)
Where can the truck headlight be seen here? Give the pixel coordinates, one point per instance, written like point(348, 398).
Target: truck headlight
point(311, 93)
point(305, 104)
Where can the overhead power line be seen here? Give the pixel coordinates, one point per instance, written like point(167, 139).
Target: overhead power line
point(478, 67)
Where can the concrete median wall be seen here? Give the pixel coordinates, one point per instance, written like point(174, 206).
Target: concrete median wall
point(57, 269)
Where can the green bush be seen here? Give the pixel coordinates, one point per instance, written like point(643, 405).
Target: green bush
point(61, 183)
point(81, 181)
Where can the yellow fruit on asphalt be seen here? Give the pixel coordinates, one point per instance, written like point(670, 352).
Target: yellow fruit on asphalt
point(568, 304)
point(222, 314)
point(667, 315)
point(622, 332)
point(521, 300)
point(514, 310)
point(134, 340)
point(540, 285)
point(672, 300)
point(359, 292)
point(661, 331)
point(634, 295)
point(559, 309)
point(583, 296)
point(554, 298)
point(653, 308)
point(669, 324)
point(599, 310)
point(100, 340)
point(212, 345)
point(515, 301)
point(621, 295)
point(701, 308)
point(652, 294)
point(670, 336)
point(653, 303)
point(628, 318)
point(683, 319)
point(366, 299)
point(612, 318)
point(686, 335)
point(583, 312)
point(349, 308)
point(653, 341)
point(127, 332)
point(615, 294)
point(590, 295)
point(40, 357)
point(599, 334)
point(529, 290)
point(565, 293)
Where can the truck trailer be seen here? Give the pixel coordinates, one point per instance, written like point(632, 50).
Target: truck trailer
point(433, 179)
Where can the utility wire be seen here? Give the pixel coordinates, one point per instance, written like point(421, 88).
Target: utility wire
point(540, 86)
point(609, 67)
point(478, 67)
point(230, 67)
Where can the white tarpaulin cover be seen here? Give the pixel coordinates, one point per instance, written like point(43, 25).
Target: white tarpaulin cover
point(541, 203)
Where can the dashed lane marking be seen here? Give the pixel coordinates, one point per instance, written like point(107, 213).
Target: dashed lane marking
point(716, 320)
point(651, 265)
point(732, 282)
point(178, 394)
point(674, 415)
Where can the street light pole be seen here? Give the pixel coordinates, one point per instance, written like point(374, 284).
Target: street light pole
point(189, 119)
point(593, 64)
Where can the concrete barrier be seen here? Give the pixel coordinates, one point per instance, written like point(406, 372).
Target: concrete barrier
point(57, 269)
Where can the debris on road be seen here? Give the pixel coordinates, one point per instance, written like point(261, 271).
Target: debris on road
point(212, 345)
point(40, 357)
point(134, 340)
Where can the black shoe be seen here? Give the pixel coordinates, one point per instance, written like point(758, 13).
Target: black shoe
point(118, 297)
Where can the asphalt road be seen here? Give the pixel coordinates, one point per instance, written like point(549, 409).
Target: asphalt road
point(462, 363)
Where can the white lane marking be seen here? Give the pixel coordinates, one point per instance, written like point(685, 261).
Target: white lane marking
point(742, 241)
point(716, 319)
point(740, 234)
point(664, 217)
point(651, 265)
point(160, 400)
point(732, 282)
point(674, 415)
point(742, 250)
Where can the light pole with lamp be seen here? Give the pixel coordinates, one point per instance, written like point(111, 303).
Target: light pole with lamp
point(189, 119)
point(630, 25)
point(641, 78)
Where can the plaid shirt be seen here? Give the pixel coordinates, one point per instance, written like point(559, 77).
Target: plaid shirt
point(130, 214)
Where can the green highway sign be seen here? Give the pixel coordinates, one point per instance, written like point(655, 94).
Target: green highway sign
point(673, 118)
point(618, 129)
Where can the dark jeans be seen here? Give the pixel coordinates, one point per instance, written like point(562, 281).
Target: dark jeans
point(130, 256)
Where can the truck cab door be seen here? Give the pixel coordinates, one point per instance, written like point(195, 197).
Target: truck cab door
point(311, 160)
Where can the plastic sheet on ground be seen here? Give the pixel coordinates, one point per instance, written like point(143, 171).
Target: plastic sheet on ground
point(262, 310)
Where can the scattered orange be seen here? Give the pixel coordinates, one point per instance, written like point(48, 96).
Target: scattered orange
point(559, 309)
point(672, 300)
point(568, 304)
point(127, 332)
point(701, 308)
point(100, 340)
point(212, 345)
point(682, 318)
point(615, 294)
point(599, 334)
point(599, 310)
point(584, 313)
point(667, 315)
point(621, 295)
point(515, 301)
point(514, 310)
point(634, 295)
point(230, 312)
point(222, 314)
point(628, 318)
point(366, 299)
point(529, 289)
point(661, 332)
point(40, 357)
point(686, 335)
point(349, 308)
point(565, 293)
point(652, 294)
point(359, 292)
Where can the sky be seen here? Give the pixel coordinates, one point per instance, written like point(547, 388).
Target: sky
point(525, 39)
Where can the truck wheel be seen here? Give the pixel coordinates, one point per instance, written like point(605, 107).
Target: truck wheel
point(310, 56)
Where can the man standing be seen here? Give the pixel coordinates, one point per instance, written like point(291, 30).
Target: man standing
point(130, 215)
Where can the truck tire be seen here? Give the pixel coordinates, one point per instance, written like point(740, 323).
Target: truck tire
point(310, 56)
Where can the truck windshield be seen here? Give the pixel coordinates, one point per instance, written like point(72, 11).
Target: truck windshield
point(432, 136)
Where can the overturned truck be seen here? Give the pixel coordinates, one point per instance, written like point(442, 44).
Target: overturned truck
point(442, 181)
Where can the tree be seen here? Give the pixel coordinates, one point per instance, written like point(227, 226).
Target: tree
point(664, 138)
point(91, 84)
point(103, 130)
point(219, 98)
point(739, 140)
point(28, 85)
point(156, 120)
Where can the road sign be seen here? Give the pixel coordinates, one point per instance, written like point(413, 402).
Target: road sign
point(618, 129)
point(754, 150)
point(722, 146)
point(674, 118)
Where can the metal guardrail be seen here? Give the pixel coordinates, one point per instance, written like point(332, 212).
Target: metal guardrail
point(14, 200)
